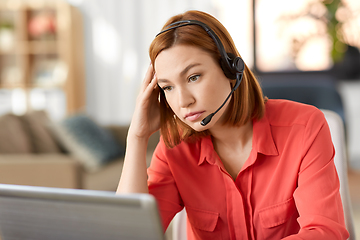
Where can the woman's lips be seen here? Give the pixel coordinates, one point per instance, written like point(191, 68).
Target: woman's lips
point(193, 116)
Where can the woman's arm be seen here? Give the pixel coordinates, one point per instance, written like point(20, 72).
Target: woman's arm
point(145, 121)
point(134, 176)
point(317, 196)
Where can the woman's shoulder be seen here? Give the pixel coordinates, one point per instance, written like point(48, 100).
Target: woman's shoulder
point(192, 146)
point(287, 112)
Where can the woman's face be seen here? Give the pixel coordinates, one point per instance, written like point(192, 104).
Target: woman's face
point(194, 84)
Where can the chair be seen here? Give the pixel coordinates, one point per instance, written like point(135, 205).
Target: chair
point(179, 226)
point(320, 92)
point(337, 131)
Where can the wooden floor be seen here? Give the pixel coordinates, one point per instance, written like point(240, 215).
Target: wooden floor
point(354, 186)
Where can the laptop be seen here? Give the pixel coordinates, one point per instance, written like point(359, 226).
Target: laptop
point(43, 213)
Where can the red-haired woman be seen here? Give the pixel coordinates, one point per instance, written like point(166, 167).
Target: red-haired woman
point(258, 169)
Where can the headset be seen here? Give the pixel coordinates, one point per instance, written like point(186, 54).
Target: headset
point(232, 66)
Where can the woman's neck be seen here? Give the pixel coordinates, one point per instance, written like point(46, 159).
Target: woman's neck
point(230, 136)
point(233, 145)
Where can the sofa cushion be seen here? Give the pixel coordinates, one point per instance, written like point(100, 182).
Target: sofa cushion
point(107, 179)
point(48, 170)
point(13, 135)
point(37, 123)
point(90, 143)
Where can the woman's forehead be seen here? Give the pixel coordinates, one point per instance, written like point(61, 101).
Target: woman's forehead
point(179, 57)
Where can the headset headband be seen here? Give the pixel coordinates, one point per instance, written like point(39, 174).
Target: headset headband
point(232, 65)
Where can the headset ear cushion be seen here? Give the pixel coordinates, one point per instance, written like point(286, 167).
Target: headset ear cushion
point(238, 64)
point(229, 71)
point(226, 69)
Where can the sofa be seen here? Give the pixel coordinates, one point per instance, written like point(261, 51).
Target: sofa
point(34, 150)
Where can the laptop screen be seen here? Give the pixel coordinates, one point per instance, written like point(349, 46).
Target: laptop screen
point(42, 213)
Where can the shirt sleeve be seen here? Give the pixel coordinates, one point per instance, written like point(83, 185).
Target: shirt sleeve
point(317, 196)
point(162, 186)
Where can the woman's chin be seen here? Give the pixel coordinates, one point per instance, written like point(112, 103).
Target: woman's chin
point(196, 126)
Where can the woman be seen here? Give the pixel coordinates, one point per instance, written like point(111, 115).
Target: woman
point(260, 169)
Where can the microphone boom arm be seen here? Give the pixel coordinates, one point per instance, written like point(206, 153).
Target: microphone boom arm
point(207, 119)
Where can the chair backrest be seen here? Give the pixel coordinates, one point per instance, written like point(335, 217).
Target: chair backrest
point(337, 131)
point(179, 226)
point(314, 90)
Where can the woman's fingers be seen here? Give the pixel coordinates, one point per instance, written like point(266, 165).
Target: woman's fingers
point(146, 118)
point(149, 87)
point(148, 77)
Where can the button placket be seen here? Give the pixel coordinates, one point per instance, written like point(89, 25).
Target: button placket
point(235, 209)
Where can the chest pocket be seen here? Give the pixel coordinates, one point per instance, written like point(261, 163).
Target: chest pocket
point(203, 223)
point(272, 219)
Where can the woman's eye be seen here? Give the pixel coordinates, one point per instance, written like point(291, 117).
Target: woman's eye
point(167, 88)
point(194, 78)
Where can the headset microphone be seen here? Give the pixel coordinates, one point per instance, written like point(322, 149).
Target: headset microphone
point(232, 66)
point(206, 120)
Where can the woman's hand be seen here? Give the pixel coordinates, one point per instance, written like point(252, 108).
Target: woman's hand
point(145, 121)
point(146, 118)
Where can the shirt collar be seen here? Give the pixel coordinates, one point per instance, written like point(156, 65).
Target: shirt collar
point(207, 152)
point(263, 142)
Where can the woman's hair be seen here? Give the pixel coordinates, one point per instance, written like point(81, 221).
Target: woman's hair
point(247, 102)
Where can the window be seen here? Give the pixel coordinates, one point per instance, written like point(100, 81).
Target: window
point(294, 35)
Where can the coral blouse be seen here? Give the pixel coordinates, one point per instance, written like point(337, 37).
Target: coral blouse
point(288, 187)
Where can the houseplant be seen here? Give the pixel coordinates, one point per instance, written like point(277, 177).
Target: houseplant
point(330, 19)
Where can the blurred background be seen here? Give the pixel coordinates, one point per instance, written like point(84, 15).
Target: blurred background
point(89, 57)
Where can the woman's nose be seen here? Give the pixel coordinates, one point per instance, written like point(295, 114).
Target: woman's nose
point(185, 98)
